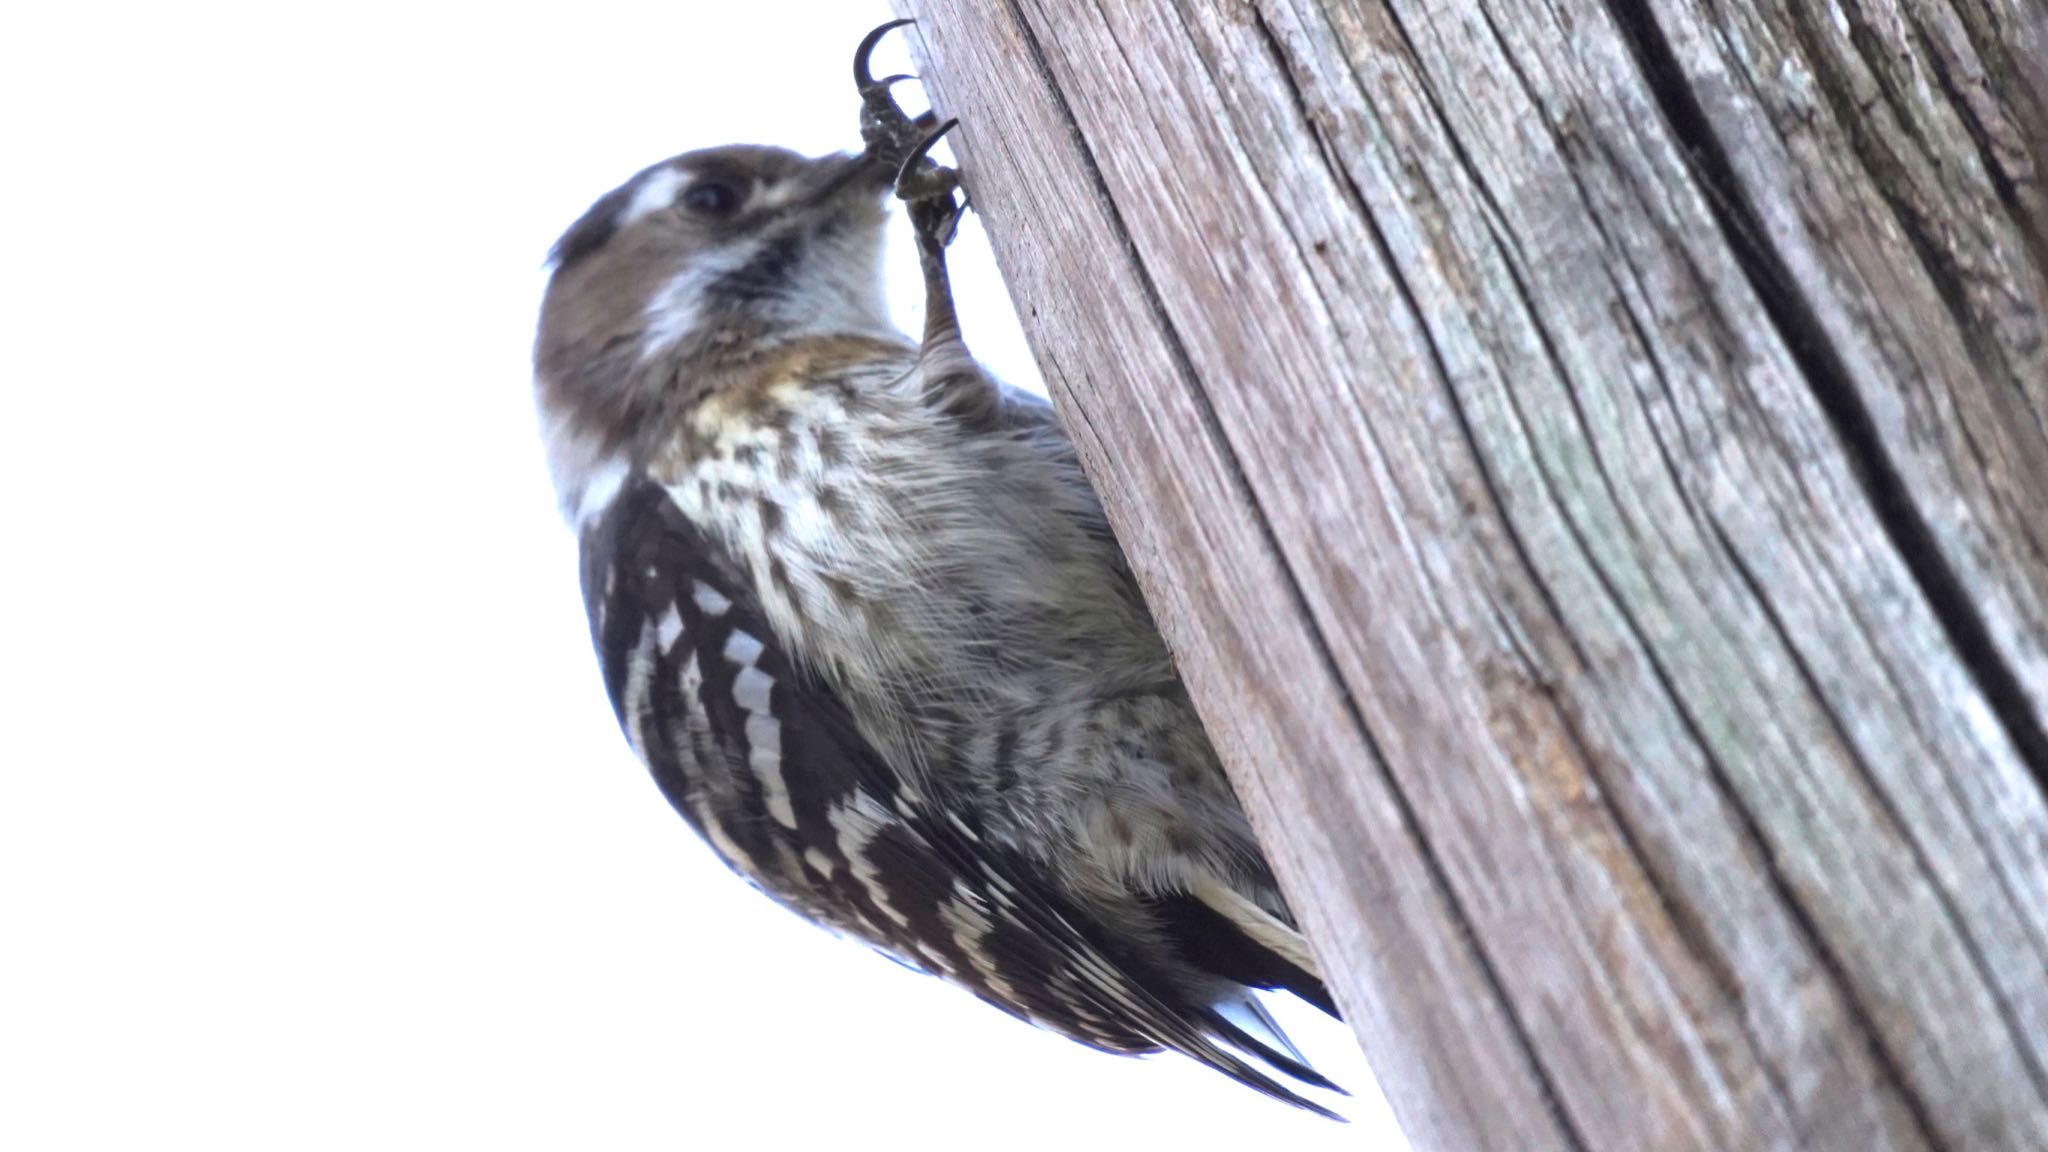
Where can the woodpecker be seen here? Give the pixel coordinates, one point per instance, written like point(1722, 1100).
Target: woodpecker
point(861, 615)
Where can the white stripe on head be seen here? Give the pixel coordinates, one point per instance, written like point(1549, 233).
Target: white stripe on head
point(656, 192)
point(676, 310)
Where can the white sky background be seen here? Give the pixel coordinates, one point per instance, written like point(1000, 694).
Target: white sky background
point(315, 828)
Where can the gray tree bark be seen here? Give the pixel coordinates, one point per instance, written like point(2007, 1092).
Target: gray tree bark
point(1591, 461)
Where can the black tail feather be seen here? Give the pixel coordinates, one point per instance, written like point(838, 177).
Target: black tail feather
point(1282, 1061)
point(1210, 941)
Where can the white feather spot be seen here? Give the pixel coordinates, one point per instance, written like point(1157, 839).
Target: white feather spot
point(935, 959)
point(633, 702)
point(819, 862)
point(601, 486)
point(690, 680)
point(587, 477)
point(970, 928)
point(710, 600)
point(670, 629)
point(721, 842)
point(764, 756)
point(742, 649)
point(752, 690)
point(854, 831)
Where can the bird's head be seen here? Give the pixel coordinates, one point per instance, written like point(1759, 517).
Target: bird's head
point(688, 270)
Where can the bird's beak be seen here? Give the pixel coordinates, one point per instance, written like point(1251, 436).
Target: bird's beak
point(852, 170)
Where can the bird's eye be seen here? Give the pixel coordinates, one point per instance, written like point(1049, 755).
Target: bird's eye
point(711, 198)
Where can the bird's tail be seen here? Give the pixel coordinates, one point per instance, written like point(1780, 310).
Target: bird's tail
point(1227, 935)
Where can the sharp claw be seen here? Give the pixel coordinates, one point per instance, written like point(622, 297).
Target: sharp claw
point(940, 225)
point(923, 151)
point(929, 189)
point(958, 214)
point(862, 74)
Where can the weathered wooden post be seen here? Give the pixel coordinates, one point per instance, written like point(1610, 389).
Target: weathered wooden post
point(1589, 457)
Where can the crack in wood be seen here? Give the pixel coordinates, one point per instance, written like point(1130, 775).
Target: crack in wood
point(1807, 340)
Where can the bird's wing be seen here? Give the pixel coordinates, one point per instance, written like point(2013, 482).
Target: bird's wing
point(767, 764)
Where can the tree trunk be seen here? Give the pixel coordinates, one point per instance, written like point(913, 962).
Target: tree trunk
point(1591, 462)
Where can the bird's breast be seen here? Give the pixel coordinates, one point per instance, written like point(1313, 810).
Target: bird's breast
point(936, 573)
point(837, 495)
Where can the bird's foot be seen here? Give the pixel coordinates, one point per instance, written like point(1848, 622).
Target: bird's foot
point(928, 188)
point(900, 141)
point(889, 132)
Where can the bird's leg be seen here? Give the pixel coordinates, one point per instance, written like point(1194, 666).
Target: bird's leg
point(929, 189)
point(936, 203)
point(894, 138)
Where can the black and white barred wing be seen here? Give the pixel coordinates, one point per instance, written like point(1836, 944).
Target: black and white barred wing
point(768, 766)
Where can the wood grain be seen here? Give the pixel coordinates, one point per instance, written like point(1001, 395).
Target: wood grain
point(1592, 471)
